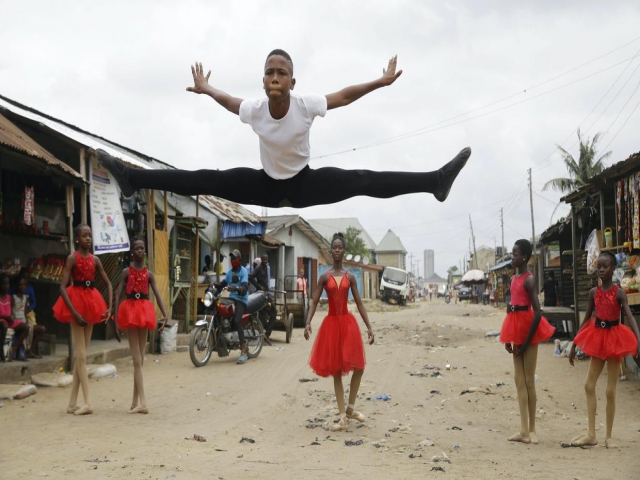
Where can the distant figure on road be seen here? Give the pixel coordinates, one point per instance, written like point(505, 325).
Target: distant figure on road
point(550, 289)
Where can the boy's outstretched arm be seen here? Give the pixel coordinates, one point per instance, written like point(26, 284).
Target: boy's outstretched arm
point(201, 85)
point(350, 94)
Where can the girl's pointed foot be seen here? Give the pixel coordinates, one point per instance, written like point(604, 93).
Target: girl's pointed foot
point(355, 415)
point(139, 409)
point(86, 410)
point(117, 170)
point(609, 443)
point(72, 410)
point(533, 437)
point(340, 425)
point(584, 441)
point(519, 438)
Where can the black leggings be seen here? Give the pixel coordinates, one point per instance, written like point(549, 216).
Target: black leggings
point(309, 187)
point(239, 309)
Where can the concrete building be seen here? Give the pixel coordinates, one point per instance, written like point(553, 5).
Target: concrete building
point(391, 252)
point(486, 259)
point(429, 263)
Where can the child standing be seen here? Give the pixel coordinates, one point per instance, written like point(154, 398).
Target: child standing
point(7, 321)
point(282, 122)
point(338, 347)
point(137, 315)
point(523, 328)
point(81, 306)
point(605, 340)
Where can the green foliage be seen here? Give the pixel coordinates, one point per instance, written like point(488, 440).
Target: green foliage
point(583, 170)
point(355, 243)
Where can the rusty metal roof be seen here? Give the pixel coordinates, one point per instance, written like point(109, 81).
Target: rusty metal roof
point(228, 210)
point(11, 136)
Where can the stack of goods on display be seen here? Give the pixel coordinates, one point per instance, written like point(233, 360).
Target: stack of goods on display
point(628, 211)
point(48, 267)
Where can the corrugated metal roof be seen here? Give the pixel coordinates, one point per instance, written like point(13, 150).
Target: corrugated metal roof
point(232, 229)
point(11, 136)
point(391, 243)
point(227, 210)
point(613, 173)
point(278, 222)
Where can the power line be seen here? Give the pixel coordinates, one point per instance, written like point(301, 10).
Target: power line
point(620, 129)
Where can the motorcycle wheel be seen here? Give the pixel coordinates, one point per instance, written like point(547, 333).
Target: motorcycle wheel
point(254, 345)
point(199, 351)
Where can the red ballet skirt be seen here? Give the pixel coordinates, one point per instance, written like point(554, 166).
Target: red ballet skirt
point(87, 301)
point(603, 343)
point(516, 325)
point(338, 347)
point(139, 312)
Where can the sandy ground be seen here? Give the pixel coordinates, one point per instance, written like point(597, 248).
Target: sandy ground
point(288, 419)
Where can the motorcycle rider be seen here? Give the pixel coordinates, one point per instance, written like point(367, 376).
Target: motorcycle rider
point(260, 279)
point(237, 279)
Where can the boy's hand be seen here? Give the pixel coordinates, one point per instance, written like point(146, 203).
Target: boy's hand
point(200, 81)
point(389, 75)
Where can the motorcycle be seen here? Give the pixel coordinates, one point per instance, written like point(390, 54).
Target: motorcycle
point(215, 331)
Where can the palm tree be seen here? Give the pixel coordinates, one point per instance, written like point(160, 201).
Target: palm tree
point(583, 170)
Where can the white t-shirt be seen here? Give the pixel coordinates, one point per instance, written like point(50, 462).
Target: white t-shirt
point(284, 143)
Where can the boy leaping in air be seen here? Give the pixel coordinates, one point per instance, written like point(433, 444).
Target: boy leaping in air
point(282, 121)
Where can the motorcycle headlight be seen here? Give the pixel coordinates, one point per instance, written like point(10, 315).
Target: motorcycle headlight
point(208, 299)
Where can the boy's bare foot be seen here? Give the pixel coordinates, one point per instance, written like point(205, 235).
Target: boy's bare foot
point(340, 425)
point(533, 437)
point(117, 170)
point(519, 438)
point(73, 409)
point(139, 409)
point(583, 441)
point(449, 173)
point(609, 443)
point(86, 410)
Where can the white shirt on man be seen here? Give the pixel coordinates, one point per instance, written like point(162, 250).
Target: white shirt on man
point(284, 143)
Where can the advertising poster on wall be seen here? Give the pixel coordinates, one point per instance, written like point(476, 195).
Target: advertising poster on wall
point(107, 222)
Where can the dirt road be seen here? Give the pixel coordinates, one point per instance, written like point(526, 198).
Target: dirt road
point(286, 419)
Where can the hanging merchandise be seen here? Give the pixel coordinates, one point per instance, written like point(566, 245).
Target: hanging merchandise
point(619, 206)
point(28, 205)
point(636, 212)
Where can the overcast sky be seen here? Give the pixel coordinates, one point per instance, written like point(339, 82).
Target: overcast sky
point(120, 70)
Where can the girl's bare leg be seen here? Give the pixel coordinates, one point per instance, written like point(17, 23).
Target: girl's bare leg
point(81, 337)
point(136, 338)
point(356, 377)
point(530, 358)
point(339, 389)
point(613, 367)
point(596, 366)
point(523, 400)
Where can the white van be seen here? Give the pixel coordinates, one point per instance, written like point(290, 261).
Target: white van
point(394, 286)
point(442, 290)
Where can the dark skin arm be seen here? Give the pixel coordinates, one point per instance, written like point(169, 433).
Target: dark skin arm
point(66, 281)
point(622, 298)
point(530, 287)
point(350, 94)
point(322, 281)
point(201, 85)
point(361, 309)
point(587, 315)
point(124, 276)
point(105, 279)
point(154, 287)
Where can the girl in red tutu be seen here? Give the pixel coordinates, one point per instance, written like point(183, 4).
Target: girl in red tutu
point(81, 306)
point(605, 340)
point(137, 315)
point(338, 348)
point(523, 328)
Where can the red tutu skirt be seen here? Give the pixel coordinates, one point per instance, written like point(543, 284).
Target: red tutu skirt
point(516, 325)
point(338, 348)
point(603, 343)
point(137, 313)
point(88, 302)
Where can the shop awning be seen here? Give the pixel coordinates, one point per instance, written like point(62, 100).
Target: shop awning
point(14, 138)
point(500, 266)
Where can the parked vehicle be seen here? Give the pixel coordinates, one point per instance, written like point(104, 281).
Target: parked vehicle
point(394, 286)
point(215, 331)
point(465, 293)
point(442, 290)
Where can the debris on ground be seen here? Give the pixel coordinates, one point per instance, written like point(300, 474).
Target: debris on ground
point(486, 391)
point(196, 437)
point(455, 428)
point(427, 442)
point(413, 455)
point(247, 439)
point(441, 458)
point(315, 423)
point(381, 398)
point(353, 443)
point(492, 334)
point(437, 469)
point(305, 380)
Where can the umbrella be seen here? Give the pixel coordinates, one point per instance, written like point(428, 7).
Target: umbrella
point(473, 276)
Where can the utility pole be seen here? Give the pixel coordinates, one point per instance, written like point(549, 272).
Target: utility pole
point(475, 256)
point(533, 229)
point(502, 226)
